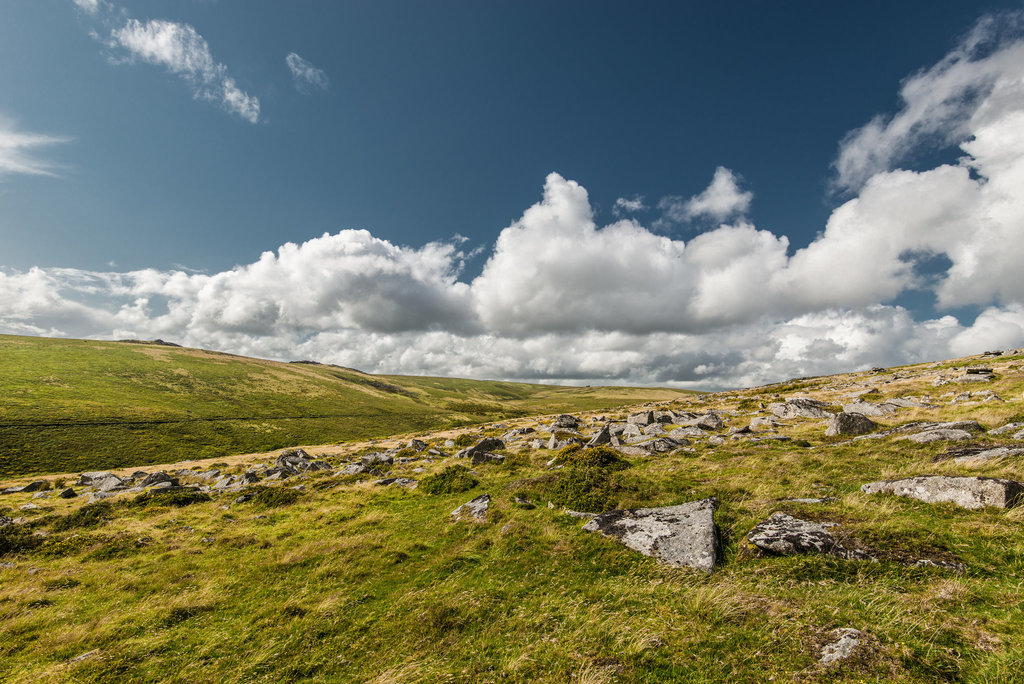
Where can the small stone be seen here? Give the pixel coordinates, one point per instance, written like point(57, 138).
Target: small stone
point(846, 642)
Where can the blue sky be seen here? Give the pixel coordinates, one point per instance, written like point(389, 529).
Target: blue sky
point(724, 176)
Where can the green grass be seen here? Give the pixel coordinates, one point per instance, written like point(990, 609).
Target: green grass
point(73, 405)
point(353, 582)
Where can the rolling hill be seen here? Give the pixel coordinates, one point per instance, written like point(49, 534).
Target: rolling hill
point(70, 404)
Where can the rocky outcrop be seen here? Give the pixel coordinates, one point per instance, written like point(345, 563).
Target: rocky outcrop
point(966, 492)
point(783, 535)
point(869, 408)
point(800, 407)
point(939, 435)
point(680, 536)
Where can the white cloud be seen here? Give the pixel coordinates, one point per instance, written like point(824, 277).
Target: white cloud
point(306, 76)
point(628, 205)
point(180, 49)
point(977, 81)
point(18, 151)
point(88, 6)
point(721, 200)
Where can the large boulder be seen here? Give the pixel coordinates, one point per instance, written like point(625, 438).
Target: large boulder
point(641, 418)
point(680, 536)
point(783, 535)
point(966, 492)
point(870, 408)
point(800, 407)
point(485, 445)
point(849, 424)
point(939, 435)
point(565, 421)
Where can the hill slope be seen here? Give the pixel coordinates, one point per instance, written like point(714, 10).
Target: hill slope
point(354, 574)
point(84, 405)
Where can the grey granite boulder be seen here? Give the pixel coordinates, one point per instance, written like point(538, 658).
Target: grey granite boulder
point(800, 407)
point(680, 536)
point(870, 408)
point(483, 446)
point(966, 492)
point(849, 424)
point(565, 421)
point(939, 435)
point(475, 510)
point(641, 418)
point(783, 535)
point(604, 436)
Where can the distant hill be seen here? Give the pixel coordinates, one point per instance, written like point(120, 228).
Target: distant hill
point(71, 405)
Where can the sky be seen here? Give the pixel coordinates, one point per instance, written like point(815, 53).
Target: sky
point(704, 195)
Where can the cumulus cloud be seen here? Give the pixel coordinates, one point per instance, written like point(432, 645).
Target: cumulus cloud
point(721, 200)
point(561, 298)
point(19, 151)
point(976, 82)
point(305, 76)
point(629, 205)
point(183, 51)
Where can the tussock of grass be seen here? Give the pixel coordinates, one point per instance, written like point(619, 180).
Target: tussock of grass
point(452, 480)
point(86, 517)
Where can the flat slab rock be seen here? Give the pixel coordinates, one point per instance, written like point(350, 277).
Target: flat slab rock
point(966, 492)
point(783, 535)
point(475, 510)
point(680, 536)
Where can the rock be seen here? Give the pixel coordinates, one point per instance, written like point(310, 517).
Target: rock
point(762, 423)
point(483, 446)
point(717, 440)
point(641, 418)
point(602, 437)
point(800, 407)
point(5, 521)
point(475, 510)
point(91, 478)
point(376, 458)
point(966, 492)
point(988, 455)
point(109, 484)
point(941, 435)
point(688, 432)
point(784, 535)
point(631, 430)
point(1008, 428)
point(479, 458)
point(845, 645)
point(654, 429)
point(155, 478)
point(398, 481)
point(565, 421)
point(523, 503)
point(680, 536)
point(849, 424)
point(908, 402)
point(353, 469)
point(517, 432)
point(978, 371)
point(417, 445)
point(869, 408)
point(710, 421)
point(67, 493)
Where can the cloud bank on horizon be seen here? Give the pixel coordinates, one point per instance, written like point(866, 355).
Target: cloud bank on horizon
point(563, 299)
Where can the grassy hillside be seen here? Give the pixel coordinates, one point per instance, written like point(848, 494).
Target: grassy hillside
point(69, 405)
point(337, 578)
